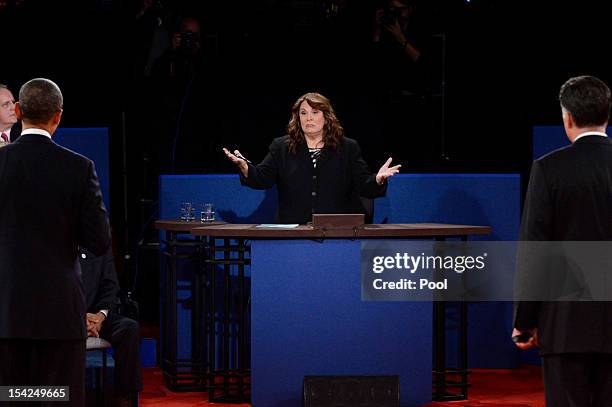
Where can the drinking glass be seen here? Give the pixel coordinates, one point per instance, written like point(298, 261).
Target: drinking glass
point(208, 213)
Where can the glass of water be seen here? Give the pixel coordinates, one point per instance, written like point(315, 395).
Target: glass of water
point(183, 211)
point(208, 213)
point(187, 212)
point(191, 213)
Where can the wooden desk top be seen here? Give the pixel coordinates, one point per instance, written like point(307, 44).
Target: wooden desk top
point(175, 225)
point(365, 231)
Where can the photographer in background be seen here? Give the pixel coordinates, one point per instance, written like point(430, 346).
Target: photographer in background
point(400, 88)
point(188, 40)
point(393, 20)
point(186, 111)
point(182, 59)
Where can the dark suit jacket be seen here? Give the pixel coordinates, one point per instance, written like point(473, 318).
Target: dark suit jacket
point(100, 281)
point(50, 203)
point(15, 131)
point(569, 198)
point(334, 186)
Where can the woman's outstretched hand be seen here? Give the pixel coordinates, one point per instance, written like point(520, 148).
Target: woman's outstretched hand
point(386, 171)
point(239, 160)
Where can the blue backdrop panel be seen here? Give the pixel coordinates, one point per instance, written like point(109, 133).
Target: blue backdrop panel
point(308, 319)
point(549, 138)
point(480, 199)
point(93, 144)
point(473, 199)
point(233, 202)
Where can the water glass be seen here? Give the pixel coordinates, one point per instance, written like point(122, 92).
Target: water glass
point(187, 212)
point(208, 213)
point(183, 211)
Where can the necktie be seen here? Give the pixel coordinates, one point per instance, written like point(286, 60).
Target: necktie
point(5, 137)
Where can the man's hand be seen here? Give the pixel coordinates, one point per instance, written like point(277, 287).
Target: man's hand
point(395, 30)
point(533, 341)
point(94, 323)
point(385, 171)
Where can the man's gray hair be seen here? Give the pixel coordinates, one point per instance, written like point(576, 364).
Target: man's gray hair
point(3, 86)
point(39, 100)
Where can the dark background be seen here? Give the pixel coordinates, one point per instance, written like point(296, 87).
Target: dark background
point(504, 63)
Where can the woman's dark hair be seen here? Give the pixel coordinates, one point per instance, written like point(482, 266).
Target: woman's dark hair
point(333, 133)
point(587, 99)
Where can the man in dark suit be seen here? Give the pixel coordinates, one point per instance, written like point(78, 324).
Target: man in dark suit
point(50, 205)
point(569, 198)
point(101, 289)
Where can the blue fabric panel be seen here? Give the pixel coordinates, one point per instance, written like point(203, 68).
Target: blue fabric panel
point(473, 199)
point(547, 139)
point(93, 144)
point(233, 202)
point(308, 319)
point(479, 199)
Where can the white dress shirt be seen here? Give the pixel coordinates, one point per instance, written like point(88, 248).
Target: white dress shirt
point(36, 131)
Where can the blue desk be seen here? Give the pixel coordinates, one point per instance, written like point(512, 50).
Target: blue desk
point(307, 316)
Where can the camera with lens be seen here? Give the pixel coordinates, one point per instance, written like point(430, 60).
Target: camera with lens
point(189, 41)
point(390, 15)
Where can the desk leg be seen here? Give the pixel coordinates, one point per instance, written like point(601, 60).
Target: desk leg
point(212, 320)
point(227, 344)
point(463, 343)
point(241, 320)
point(182, 373)
point(196, 322)
point(169, 353)
point(439, 357)
point(226, 316)
point(441, 383)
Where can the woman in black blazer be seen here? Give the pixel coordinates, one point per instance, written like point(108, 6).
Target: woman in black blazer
point(315, 168)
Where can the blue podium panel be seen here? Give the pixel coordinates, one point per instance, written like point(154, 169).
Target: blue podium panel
point(478, 199)
point(233, 202)
point(307, 318)
point(469, 199)
point(549, 138)
point(93, 144)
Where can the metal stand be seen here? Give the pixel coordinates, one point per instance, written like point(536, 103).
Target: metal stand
point(446, 378)
point(230, 374)
point(183, 374)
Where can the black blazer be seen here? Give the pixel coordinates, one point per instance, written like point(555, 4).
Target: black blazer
point(569, 198)
point(15, 131)
point(100, 281)
point(334, 186)
point(50, 203)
